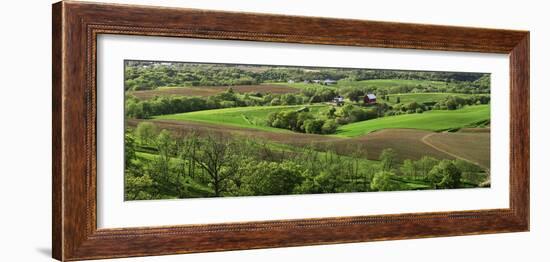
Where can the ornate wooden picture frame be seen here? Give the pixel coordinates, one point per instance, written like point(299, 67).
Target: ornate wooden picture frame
point(76, 26)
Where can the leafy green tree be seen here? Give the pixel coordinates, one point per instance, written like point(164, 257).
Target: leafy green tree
point(409, 168)
point(346, 110)
point(313, 126)
point(413, 106)
point(425, 165)
point(215, 158)
point(289, 99)
point(167, 181)
point(129, 149)
point(228, 95)
point(451, 104)
point(388, 159)
point(299, 121)
point(329, 127)
point(383, 181)
point(331, 112)
point(138, 187)
point(355, 94)
point(146, 131)
point(315, 99)
point(330, 179)
point(133, 108)
point(445, 175)
point(308, 184)
point(272, 178)
point(466, 166)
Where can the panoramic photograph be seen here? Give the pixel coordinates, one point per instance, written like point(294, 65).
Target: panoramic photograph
point(200, 130)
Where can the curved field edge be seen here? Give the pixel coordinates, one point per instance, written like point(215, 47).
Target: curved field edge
point(470, 146)
point(248, 117)
point(435, 120)
point(255, 117)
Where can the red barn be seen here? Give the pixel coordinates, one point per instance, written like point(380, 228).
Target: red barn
point(369, 99)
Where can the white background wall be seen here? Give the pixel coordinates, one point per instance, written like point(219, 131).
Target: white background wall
point(25, 147)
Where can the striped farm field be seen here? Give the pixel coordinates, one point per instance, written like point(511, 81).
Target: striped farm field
point(421, 98)
point(205, 91)
point(435, 120)
point(471, 146)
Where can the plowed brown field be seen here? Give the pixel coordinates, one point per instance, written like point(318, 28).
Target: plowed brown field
point(407, 143)
point(212, 90)
point(472, 146)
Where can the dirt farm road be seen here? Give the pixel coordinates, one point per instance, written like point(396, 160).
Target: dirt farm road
point(425, 141)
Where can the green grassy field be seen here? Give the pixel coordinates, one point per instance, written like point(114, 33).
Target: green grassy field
point(255, 117)
point(388, 83)
point(421, 97)
point(392, 83)
point(249, 117)
point(436, 120)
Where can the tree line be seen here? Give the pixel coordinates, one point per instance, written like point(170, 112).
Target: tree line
point(161, 105)
point(325, 121)
point(143, 75)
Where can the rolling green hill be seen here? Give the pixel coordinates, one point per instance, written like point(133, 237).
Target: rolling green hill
point(436, 120)
point(255, 117)
point(250, 117)
point(389, 83)
point(421, 97)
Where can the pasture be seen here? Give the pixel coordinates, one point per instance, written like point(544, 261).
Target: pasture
point(391, 83)
point(421, 98)
point(435, 120)
point(248, 117)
